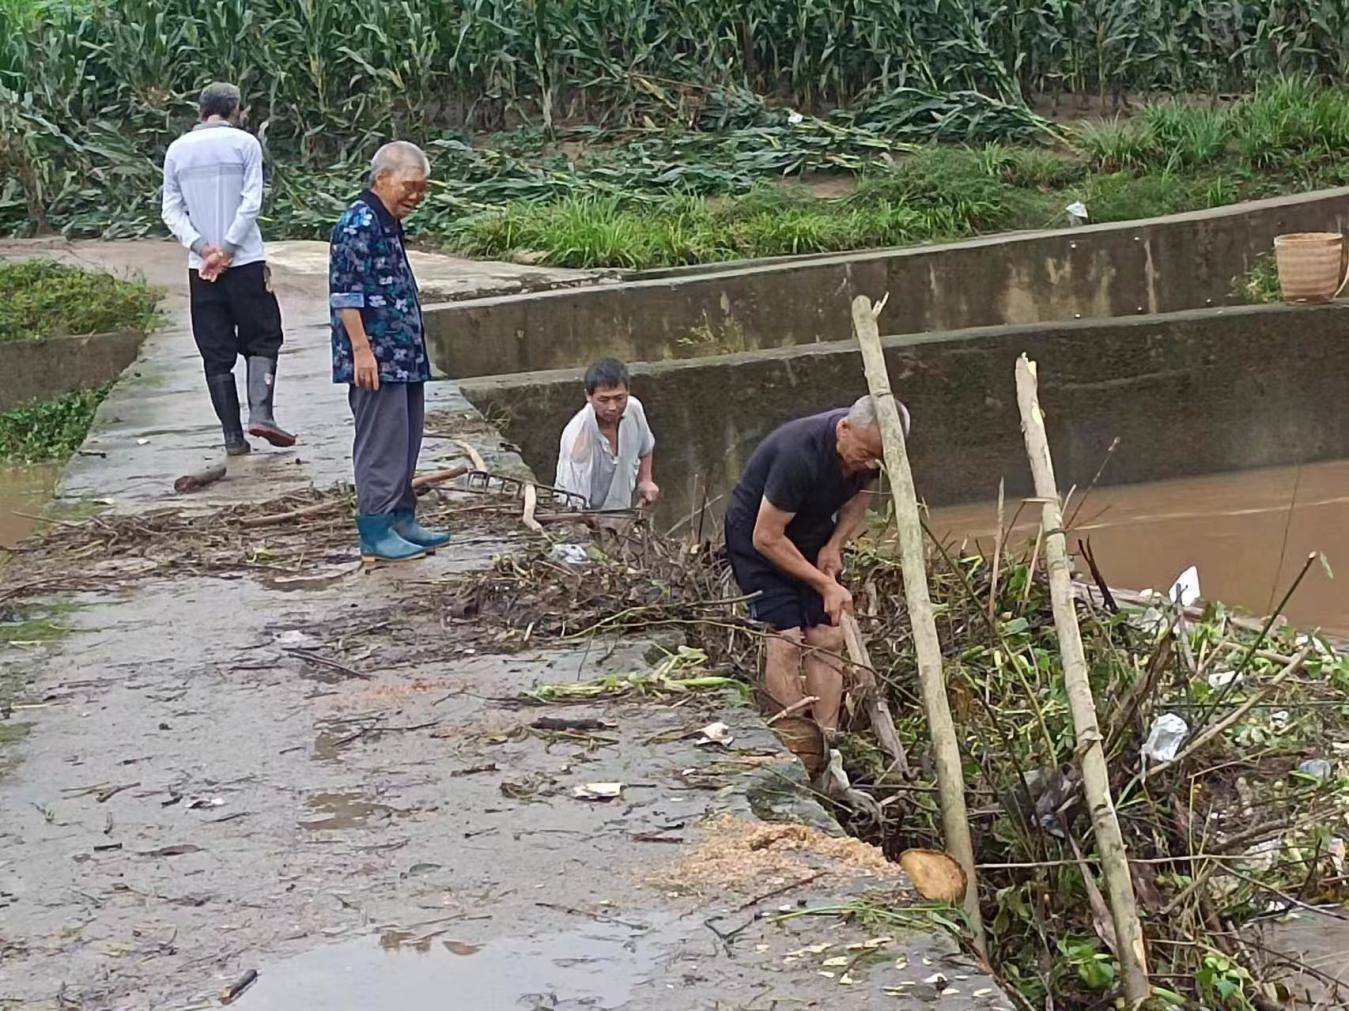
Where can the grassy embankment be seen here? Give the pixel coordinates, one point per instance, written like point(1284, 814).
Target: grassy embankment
point(1170, 158)
point(40, 299)
point(689, 115)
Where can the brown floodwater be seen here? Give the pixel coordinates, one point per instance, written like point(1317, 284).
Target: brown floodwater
point(24, 491)
point(1249, 533)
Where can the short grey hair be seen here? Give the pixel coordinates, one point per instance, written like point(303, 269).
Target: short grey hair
point(862, 414)
point(219, 99)
point(398, 156)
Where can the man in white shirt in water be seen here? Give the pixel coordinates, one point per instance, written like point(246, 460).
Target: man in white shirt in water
point(212, 198)
point(605, 454)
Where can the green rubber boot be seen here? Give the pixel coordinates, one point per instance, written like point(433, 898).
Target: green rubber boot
point(405, 525)
point(381, 543)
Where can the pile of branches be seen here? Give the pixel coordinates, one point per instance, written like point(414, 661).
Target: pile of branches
point(629, 584)
point(290, 536)
point(1243, 824)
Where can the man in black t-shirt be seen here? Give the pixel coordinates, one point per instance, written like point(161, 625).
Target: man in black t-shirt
point(802, 498)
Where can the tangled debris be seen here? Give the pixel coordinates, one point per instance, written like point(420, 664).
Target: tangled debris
point(1241, 823)
point(290, 537)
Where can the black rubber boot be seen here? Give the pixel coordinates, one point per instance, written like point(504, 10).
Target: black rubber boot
point(225, 400)
point(261, 389)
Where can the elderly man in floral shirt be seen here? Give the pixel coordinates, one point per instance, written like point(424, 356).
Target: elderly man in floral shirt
point(379, 350)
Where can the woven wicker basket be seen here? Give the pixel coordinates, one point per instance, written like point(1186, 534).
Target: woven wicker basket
point(1311, 265)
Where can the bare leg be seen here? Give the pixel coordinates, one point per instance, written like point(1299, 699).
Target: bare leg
point(782, 667)
point(824, 674)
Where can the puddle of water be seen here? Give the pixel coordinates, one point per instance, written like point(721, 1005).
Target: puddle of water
point(344, 810)
point(23, 490)
point(591, 969)
point(326, 748)
point(1232, 526)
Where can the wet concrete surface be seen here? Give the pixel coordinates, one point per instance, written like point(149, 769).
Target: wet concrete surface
point(1249, 533)
point(192, 800)
point(445, 278)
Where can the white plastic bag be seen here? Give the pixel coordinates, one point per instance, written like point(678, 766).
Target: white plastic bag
point(1165, 738)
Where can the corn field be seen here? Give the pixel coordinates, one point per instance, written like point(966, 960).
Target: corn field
point(320, 72)
point(91, 91)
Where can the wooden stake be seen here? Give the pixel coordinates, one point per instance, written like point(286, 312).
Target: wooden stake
point(997, 559)
point(1091, 755)
point(945, 745)
point(878, 711)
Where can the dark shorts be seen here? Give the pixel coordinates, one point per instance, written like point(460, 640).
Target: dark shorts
point(782, 602)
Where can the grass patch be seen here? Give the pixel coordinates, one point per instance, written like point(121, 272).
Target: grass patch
point(50, 430)
point(1288, 137)
point(42, 299)
point(937, 194)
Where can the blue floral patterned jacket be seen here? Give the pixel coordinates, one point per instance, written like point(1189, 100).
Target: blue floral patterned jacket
point(368, 270)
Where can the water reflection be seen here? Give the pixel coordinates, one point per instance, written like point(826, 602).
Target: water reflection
point(587, 969)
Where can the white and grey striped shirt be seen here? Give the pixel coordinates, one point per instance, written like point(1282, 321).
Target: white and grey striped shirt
point(213, 192)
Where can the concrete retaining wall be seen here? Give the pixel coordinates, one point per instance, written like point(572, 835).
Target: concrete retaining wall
point(1186, 261)
point(47, 368)
point(1189, 393)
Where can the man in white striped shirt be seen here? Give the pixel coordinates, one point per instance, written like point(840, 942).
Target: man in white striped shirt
point(212, 198)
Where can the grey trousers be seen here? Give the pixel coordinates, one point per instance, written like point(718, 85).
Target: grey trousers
point(388, 440)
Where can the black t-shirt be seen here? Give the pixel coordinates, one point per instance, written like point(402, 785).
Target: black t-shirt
point(797, 468)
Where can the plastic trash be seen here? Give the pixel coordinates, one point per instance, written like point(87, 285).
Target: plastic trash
point(597, 791)
point(1223, 678)
point(715, 733)
point(1165, 738)
point(1279, 720)
point(569, 554)
point(1185, 590)
point(1318, 768)
point(795, 117)
point(1077, 214)
point(836, 775)
point(1336, 851)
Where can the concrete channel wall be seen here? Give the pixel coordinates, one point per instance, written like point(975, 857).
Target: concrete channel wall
point(1185, 261)
point(1187, 393)
point(48, 368)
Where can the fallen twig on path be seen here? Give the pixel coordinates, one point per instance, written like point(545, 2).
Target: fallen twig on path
point(199, 480)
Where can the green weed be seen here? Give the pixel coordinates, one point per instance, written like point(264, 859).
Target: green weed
point(1260, 284)
point(50, 430)
point(1117, 145)
point(39, 298)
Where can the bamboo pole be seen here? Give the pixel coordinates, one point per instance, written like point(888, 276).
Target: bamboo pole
point(945, 745)
point(878, 712)
point(1091, 755)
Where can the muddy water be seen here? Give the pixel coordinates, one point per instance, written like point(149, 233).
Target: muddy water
point(1232, 526)
point(23, 490)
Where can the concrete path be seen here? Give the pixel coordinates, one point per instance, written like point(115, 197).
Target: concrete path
point(158, 424)
point(190, 799)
